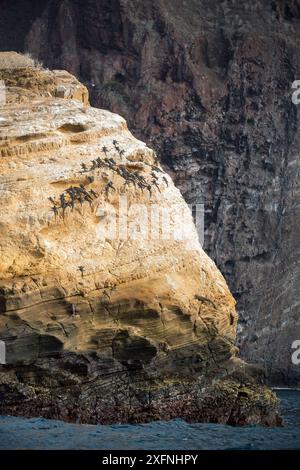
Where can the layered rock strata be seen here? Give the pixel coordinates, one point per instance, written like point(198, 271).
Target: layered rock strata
point(207, 83)
point(102, 320)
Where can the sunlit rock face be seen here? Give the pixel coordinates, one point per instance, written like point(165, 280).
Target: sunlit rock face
point(106, 316)
point(207, 84)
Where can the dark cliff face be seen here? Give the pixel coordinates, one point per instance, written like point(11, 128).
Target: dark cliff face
point(208, 84)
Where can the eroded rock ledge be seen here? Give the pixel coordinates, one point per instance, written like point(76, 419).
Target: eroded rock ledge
point(105, 330)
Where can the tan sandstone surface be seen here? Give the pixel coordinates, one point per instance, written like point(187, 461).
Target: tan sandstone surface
point(106, 327)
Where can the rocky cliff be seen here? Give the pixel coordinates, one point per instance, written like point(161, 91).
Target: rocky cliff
point(207, 84)
point(102, 325)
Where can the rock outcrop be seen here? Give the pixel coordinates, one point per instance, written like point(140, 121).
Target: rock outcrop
point(100, 324)
point(207, 83)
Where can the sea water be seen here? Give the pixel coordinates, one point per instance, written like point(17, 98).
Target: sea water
point(39, 433)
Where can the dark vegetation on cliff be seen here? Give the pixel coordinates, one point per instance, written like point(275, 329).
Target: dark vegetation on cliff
point(208, 85)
